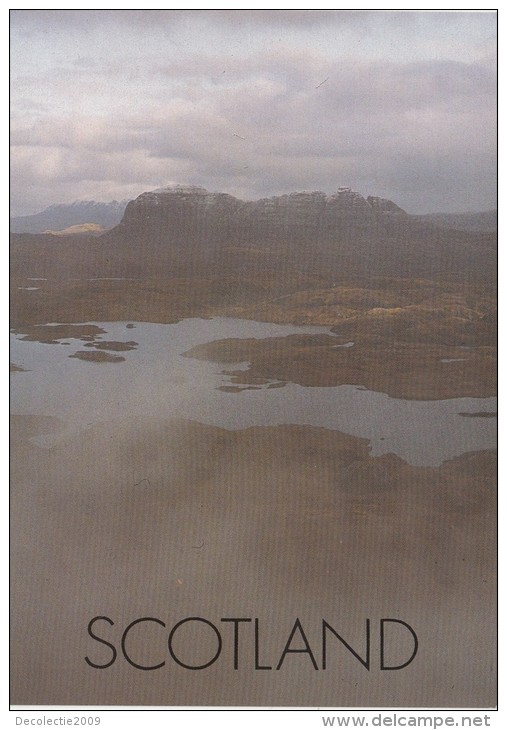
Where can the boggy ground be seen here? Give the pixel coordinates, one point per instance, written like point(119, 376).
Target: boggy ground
point(408, 338)
point(412, 338)
point(173, 520)
point(400, 369)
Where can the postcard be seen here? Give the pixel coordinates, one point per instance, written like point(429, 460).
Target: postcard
point(253, 358)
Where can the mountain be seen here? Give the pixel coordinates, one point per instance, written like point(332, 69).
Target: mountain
point(185, 231)
point(175, 212)
point(484, 221)
point(187, 228)
point(61, 216)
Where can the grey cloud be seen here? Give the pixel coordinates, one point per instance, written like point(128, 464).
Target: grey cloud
point(86, 62)
point(150, 18)
point(361, 20)
point(430, 125)
point(390, 86)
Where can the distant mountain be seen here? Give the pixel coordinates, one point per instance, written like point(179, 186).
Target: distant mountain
point(61, 216)
point(485, 221)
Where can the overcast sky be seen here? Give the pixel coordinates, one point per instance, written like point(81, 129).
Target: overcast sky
point(108, 104)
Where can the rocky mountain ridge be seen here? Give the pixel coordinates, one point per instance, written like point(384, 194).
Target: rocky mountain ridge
point(185, 215)
point(307, 205)
point(186, 227)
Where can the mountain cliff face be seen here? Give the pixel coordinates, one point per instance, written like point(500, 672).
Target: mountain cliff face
point(182, 214)
point(187, 227)
point(166, 209)
point(383, 205)
point(179, 212)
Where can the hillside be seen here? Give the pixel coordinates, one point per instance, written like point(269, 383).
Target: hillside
point(484, 221)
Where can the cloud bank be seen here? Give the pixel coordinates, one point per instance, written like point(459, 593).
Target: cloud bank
point(107, 104)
